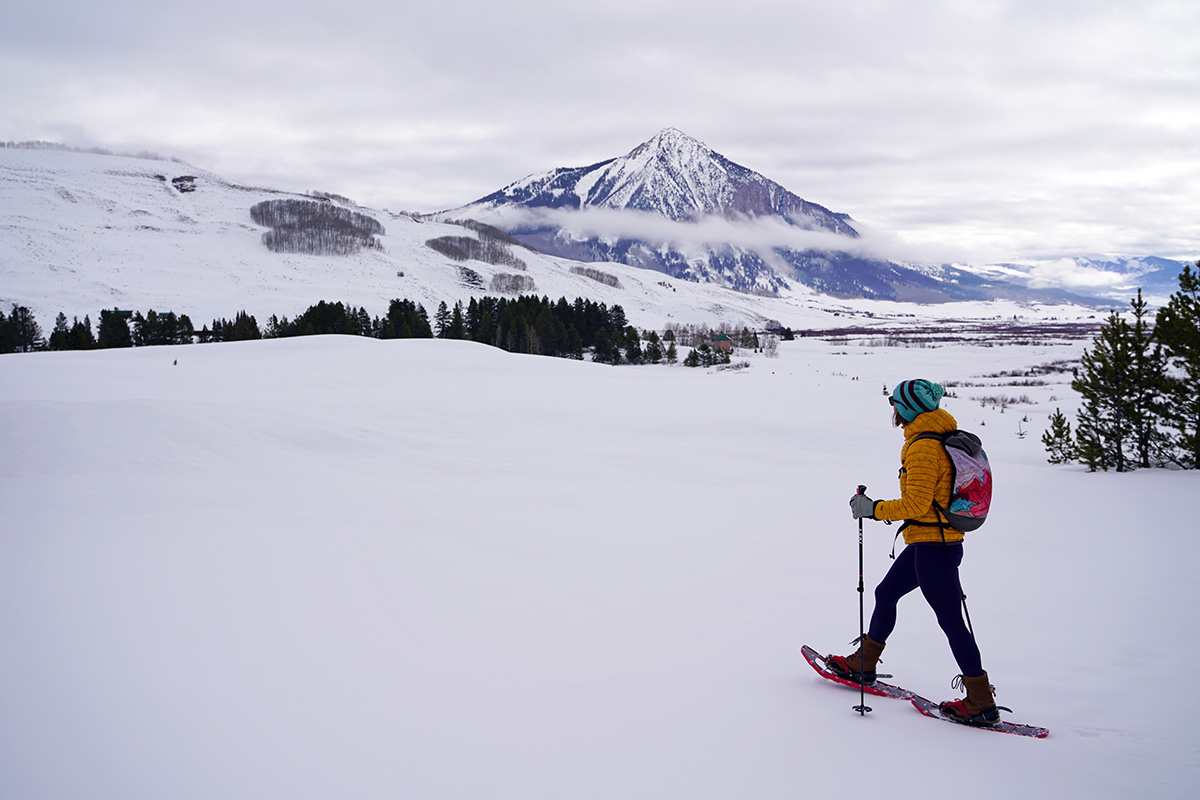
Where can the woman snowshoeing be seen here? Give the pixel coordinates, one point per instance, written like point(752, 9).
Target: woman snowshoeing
point(933, 552)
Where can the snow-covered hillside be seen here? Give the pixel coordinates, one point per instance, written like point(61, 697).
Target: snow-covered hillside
point(82, 232)
point(333, 567)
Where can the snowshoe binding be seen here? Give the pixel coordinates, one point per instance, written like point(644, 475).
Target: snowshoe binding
point(978, 707)
point(859, 666)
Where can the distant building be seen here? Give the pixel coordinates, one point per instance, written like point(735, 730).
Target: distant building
point(722, 343)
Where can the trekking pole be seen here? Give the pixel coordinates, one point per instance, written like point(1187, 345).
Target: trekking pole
point(970, 627)
point(862, 708)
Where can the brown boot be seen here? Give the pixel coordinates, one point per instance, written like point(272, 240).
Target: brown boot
point(860, 665)
point(978, 707)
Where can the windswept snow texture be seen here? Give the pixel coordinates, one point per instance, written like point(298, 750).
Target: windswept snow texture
point(333, 567)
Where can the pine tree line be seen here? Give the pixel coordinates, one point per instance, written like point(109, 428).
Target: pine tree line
point(1140, 385)
point(525, 324)
point(157, 329)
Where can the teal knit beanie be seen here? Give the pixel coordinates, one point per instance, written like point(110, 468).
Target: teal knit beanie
point(915, 397)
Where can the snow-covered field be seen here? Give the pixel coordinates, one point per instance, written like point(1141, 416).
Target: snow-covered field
point(346, 568)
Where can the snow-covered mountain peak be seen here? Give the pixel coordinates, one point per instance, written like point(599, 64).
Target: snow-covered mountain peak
point(672, 175)
point(674, 138)
point(671, 148)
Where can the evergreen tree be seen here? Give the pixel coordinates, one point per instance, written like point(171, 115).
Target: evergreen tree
point(574, 344)
point(633, 345)
point(564, 313)
point(24, 335)
point(185, 332)
point(1105, 381)
point(114, 330)
point(1177, 327)
point(616, 318)
point(550, 331)
point(653, 350)
point(81, 336)
point(363, 326)
point(441, 319)
point(1059, 442)
point(457, 329)
point(472, 318)
point(605, 350)
point(406, 320)
point(276, 327)
point(244, 328)
point(60, 337)
point(1148, 382)
point(141, 329)
point(487, 327)
point(672, 351)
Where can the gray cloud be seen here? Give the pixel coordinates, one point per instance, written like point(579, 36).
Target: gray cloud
point(997, 129)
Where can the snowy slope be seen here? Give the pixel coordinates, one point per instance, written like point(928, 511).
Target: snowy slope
point(82, 232)
point(334, 567)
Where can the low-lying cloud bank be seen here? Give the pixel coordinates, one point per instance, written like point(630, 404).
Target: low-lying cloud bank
point(711, 232)
point(765, 235)
point(1067, 273)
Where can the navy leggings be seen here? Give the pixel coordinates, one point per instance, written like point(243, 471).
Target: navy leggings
point(934, 569)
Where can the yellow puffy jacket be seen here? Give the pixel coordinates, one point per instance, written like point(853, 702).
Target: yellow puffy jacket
point(926, 475)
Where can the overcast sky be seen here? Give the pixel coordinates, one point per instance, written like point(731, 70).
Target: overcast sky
point(965, 129)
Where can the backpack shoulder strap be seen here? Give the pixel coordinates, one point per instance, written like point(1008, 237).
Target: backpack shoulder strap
point(941, 512)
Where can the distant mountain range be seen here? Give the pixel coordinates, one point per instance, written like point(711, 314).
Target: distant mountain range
point(674, 205)
point(1107, 278)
